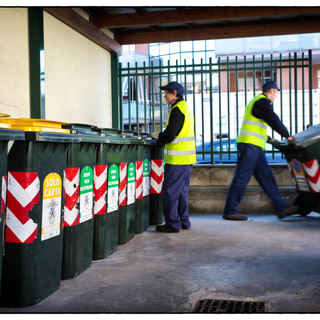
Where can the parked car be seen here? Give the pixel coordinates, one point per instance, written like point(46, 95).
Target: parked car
point(225, 153)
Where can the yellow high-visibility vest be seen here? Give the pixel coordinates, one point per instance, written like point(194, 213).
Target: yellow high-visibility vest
point(182, 150)
point(253, 130)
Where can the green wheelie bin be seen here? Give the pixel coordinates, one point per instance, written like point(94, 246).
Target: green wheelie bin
point(303, 157)
point(6, 134)
point(127, 212)
point(143, 164)
point(33, 235)
point(78, 210)
point(107, 200)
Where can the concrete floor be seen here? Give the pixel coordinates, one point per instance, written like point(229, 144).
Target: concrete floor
point(259, 259)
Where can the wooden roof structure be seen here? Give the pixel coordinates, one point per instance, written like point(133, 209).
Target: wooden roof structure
point(138, 25)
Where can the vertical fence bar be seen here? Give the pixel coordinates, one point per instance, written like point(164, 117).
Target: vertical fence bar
point(228, 104)
point(290, 92)
point(254, 75)
point(302, 91)
point(120, 99)
point(219, 87)
point(237, 96)
point(202, 111)
point(129, 97)
point(152, 97)
point(310, 86)
point(194, 98)
point(245, 80)
point(211, 110)
point(137, 97)
point(281, 86)
point(160, 79)
point(296, 93)
point(144, 96)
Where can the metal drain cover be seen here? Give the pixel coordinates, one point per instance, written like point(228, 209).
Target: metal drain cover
point(229, 306)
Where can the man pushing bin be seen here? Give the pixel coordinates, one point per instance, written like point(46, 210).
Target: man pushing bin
point(251, 142)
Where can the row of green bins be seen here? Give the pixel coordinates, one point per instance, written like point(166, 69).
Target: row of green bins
point(79, 178)
point(6, 134)
point(33, 235)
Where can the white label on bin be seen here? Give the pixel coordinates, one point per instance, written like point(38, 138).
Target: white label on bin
point(86, 194)
point(51, 206)
point(131, 183)
point(113, 188)
point(146, 177)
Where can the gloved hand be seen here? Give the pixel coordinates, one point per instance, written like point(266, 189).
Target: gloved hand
point(155, 135)
point(273, 142)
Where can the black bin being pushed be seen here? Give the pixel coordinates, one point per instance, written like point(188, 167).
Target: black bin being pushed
point(6, 134)
point(156, 181)
point(33, 235)
point(78, 212)
point(303, 157)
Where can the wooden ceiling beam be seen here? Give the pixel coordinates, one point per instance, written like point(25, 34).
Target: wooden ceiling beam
point(220, 32)
point(81, 25)
point(182, 15)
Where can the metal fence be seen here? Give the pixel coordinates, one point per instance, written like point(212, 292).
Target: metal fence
point(218, 92)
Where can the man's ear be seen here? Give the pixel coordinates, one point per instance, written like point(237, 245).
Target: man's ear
point(175, 92)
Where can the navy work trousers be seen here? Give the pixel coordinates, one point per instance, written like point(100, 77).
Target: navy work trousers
point(252, 161)
point(175, 195)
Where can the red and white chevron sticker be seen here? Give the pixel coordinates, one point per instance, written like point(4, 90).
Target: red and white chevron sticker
point(23, 193)
point(312, 171)
point(100, 189)
point(123, 184)
point(156, 176)
point(139, 179)
point(4, 194)
point(72, 194)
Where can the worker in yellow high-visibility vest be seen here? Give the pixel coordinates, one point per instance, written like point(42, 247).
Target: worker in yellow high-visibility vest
point(179, 156)
point(252, 160)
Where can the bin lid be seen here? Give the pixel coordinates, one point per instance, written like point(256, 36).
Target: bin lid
point(35, 125)
point(303, 139)
point(86, 132)
point(109, 131)
point(52, 137)
point(114, 136)
point(133, 136)
point(11, 134)
point(312, 132)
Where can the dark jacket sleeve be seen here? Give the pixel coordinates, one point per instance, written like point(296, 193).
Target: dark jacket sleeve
point(263, 109)
point(174, 127)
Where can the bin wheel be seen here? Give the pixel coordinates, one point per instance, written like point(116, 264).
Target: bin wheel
point(303, 211)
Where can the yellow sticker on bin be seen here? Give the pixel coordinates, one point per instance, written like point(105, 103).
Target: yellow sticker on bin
point(35, 125)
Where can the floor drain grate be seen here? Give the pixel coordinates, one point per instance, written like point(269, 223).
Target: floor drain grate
point(229, 306)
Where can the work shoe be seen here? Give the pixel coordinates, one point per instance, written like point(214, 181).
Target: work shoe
point(288, 212)
point(166, 228)
point(186, 227)
point(235, 216)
